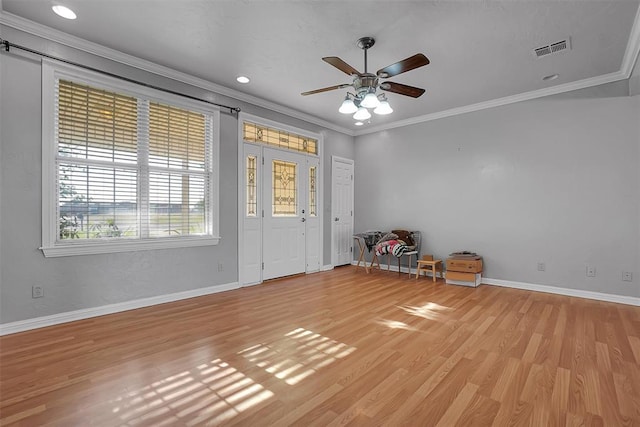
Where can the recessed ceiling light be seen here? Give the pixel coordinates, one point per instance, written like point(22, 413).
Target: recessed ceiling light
point(358, 123)
point(550, 77)
point(243, 79)
point(64, 11)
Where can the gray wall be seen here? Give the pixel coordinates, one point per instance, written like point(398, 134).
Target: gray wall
point(72, 283)
point(553, 180)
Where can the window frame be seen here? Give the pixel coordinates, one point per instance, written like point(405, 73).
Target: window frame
point(51, 246)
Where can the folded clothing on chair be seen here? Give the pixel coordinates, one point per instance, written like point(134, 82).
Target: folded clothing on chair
point(395, 247)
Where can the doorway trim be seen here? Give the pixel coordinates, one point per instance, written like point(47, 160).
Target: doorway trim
point(242, 117)
point(351, 162)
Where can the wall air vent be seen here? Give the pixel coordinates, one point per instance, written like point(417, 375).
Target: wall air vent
point(556, 47)
point(542, 51)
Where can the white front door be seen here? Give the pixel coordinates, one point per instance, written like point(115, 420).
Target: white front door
point(342, 210)
point(285, 203)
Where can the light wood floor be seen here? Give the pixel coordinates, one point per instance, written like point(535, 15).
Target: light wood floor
point(334, 348)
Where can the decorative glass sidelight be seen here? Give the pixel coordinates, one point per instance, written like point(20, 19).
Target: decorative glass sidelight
point(252, 198)
point(313, 204)
point(284, 188)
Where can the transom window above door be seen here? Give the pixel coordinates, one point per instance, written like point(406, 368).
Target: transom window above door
point(260, 134)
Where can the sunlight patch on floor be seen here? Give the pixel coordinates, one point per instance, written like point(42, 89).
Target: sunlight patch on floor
point(394, 324)
point(306, 352)
point(211, 392)
point(430, 310)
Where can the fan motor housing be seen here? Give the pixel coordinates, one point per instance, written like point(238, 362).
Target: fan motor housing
point(364, 82)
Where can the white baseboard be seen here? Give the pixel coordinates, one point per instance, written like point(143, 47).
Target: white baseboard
point(55, 319)
point(600, 296)
point(621, 299)
point(326, 267)
point(86, 313)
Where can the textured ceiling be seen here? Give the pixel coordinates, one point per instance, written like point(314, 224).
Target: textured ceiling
point(479, 50)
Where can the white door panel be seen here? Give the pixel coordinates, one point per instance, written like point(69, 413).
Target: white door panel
point(284, 190)
point(342, 210)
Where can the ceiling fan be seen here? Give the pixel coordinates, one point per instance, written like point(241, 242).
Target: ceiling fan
point(365, 84)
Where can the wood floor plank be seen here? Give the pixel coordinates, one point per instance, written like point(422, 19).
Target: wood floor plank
point(560, 393)
point(634, 342)
point(481, 411)
point(334, 348)
point(457, 407)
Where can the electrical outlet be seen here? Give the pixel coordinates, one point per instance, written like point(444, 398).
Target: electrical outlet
point(627, 276)
point(541, 266)
point(37, 292)
point(220, 267)
point(591, 271)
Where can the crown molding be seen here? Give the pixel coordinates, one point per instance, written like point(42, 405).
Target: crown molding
point(633, 47)
point(626, 68)
point(39, 30)
point(554, 90)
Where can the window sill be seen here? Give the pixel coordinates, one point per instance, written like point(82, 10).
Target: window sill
point(107, 247)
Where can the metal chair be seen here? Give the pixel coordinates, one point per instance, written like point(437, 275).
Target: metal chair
point(417, 240)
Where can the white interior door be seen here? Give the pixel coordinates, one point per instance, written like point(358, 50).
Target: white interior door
point(284, 200)
point(342, 210)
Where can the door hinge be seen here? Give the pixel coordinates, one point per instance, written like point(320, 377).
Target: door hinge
point(262, 213)
point(263, 161)
point(263, 265)
point(351, 250)
point(351, 177)
point(351, 213)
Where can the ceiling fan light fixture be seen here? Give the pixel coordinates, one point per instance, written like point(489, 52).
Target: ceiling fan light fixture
point(384, 108)
point(348, 106)
point(370, 100)
point(362, 114)
point(366, 84)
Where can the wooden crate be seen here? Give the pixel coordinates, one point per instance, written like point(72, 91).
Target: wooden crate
point(464, 265)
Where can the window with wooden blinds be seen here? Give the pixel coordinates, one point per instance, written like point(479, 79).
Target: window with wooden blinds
point(132, 168)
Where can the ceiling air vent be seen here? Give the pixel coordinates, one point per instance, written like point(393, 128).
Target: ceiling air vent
point(556, 47)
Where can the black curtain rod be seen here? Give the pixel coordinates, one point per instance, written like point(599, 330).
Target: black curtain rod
point(7, 45)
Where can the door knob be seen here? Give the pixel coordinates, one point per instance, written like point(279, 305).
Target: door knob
point(337, 219)
point(303, 219)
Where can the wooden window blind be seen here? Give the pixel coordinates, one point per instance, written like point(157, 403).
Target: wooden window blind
point(130, 168)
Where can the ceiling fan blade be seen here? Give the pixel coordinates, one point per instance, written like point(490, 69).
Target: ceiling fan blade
point(340, 65)
point(411, 91)
point(325, 89)
point(416, 61)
